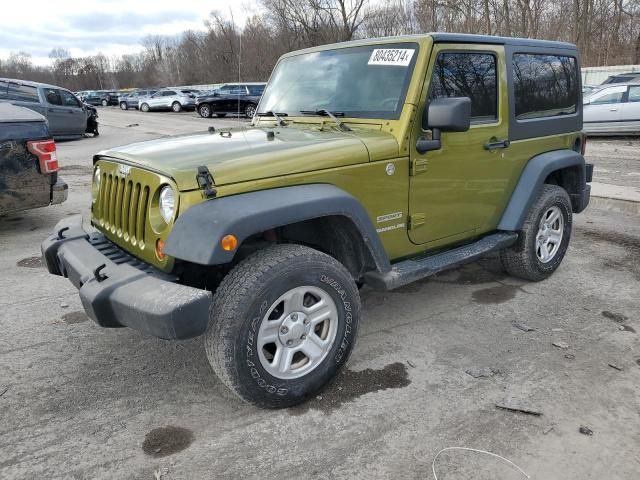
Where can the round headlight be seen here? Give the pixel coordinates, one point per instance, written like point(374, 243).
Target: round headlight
point(167, 203)
point(95, 187)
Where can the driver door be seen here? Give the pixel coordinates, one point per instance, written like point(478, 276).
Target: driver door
point(456, 191)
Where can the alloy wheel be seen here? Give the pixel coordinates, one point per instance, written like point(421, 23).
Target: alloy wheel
point(550, 233)
point(297, 332)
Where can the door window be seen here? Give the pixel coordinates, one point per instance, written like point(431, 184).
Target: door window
point(23, 93)
point(4, 86)
point(53, 96)
point(69, 100)
point(168, 93)
point(470, 75)
point(634, 94)
point(608, 96)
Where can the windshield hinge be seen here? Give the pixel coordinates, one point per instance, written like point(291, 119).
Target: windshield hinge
point(416, 220)
point(418, 165)
point(205, 181)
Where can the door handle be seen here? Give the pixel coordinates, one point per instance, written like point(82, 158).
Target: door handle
point(494, 144)
point(613, 109)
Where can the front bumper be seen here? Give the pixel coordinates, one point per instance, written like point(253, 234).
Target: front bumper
point(119, 290)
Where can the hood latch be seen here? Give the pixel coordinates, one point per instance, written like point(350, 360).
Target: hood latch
point(205, 180)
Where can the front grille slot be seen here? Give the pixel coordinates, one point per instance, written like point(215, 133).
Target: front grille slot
point(122, 207)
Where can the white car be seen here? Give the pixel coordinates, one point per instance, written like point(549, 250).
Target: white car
point(613, 110)
point(174, 99)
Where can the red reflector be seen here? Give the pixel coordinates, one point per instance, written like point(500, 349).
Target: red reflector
point(583, 146)
point(45, 150)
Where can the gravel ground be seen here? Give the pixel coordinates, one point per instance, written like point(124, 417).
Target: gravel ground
point(616, 160)
point(433, 360)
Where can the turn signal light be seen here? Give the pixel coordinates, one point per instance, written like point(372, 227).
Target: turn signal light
point(160, 249)
point(229, 243)
point(45, 150)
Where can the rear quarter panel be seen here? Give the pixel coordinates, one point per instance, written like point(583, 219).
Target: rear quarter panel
point(22, 186)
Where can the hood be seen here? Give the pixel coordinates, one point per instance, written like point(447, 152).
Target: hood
point(234, 156)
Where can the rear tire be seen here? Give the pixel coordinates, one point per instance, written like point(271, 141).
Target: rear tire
point(144, 107)
point(176, 107)
point(204, 111)
point(282, 325)
point(544, 238)
point(104, 103)
point(250, 110)
point(124, 106)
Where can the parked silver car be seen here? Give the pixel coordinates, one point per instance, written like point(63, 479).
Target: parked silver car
point(132, 99)
point(175, 99)
point(613, 110)
point(65, 113)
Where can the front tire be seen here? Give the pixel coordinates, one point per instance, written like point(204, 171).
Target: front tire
point(104, 103)
point(144, 107)
point(544, 238)
point(176, 107)
point(124, 106)
point(282, 324)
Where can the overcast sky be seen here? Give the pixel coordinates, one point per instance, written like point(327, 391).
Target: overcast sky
point(108, 26)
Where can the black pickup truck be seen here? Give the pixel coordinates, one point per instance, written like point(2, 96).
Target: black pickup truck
point(28, 161)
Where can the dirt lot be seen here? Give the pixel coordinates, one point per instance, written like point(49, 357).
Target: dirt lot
point(432, 361)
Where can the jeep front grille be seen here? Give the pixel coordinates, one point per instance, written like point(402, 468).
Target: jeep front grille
point(122, 207)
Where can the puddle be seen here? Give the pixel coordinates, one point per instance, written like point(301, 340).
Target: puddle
point(164, 441)
point(499, 294)
point(31, 262)
point(74, 317)
point(627, 328)
point(351, 384)
point(616, 317)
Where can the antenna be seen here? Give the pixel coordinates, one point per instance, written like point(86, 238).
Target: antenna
point(239, 76)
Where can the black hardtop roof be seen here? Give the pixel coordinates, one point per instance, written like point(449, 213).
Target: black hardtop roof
point(14, 113)
point(489, 39)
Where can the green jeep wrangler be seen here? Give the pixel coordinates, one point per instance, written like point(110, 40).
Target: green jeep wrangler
point(373, 162)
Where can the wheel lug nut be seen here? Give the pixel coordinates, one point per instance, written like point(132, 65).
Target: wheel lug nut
point(303, 337)
point(289, 342)
point(294, 316)
point(306, 321)
point(284, 330)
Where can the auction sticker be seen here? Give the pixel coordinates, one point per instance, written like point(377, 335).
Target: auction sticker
point(391, 56)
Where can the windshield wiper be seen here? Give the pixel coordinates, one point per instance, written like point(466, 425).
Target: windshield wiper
point(333, 116)
point(277, 116)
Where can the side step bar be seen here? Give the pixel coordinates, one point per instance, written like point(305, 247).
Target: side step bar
point(407, 271)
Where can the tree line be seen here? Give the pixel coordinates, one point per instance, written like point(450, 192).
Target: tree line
point(606, 31)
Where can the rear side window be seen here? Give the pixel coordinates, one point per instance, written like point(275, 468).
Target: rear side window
point(255, 89)
point(470, 75)
point(634, 94)
point(23, 93)
point(544, 85)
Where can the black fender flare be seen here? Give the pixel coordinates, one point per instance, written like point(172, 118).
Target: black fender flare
point(531, 182)
point(196, 234)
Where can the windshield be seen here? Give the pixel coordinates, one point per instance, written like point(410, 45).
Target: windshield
point(365, 82)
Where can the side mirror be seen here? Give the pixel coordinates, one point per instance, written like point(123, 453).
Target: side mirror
point(452, 114)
